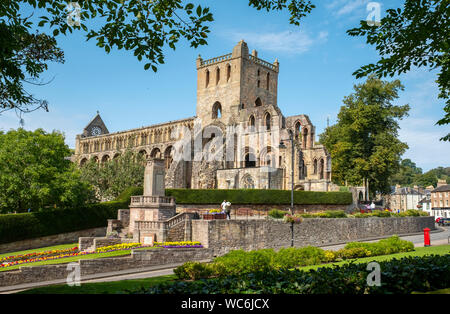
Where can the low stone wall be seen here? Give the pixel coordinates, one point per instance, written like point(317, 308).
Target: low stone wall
point(225, 235)
point(138, 259)
point(257, 210)
point(63, 238)
point(92, 243)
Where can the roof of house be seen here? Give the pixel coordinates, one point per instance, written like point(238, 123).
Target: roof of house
point(406, 190)
point(442, 188)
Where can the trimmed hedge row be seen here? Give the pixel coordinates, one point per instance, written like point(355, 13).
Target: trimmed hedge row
point(403, 276)
point(258, 197)
point(16, 227)
point(248, 196)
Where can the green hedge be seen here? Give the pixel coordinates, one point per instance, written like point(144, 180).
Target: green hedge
point(258, 197)
point(16, 227)
point(401, 276)
point(250, 196)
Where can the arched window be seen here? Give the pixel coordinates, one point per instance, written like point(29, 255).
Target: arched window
point(267, 121)
point(298, 131)
point(251, 122)
point(156, 153)
point(321, 169)
point(268, 81)
point(228, 72)
point(248, 182)
point(168, 158)
point(258, 102)
point(207, 78)
point(315, 166)
point(217, 76)
point(83, 162)
point(105, 158)
point(217, 110)
point(259, 84)
point(305, 136)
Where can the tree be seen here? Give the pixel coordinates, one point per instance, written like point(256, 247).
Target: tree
point(113, 177)
point(407, 174)
point(35, 172)
point(144, 27)
point(418, 36)
point(363, 143)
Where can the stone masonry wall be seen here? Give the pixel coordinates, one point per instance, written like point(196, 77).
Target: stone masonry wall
point(63, 238)
point(225, 235)
point(138, 259)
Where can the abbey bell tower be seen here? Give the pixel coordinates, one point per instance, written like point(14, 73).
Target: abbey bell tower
point(232, 82)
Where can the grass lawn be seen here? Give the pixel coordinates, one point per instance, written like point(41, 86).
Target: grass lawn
point(121, 286)
point(101, 287)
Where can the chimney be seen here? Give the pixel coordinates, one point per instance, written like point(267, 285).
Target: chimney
point(441, 182)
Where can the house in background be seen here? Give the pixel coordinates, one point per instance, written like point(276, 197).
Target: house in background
point(440, 199)
point(404, 198)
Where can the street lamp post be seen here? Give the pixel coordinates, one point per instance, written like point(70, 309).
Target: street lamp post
point(291, 139)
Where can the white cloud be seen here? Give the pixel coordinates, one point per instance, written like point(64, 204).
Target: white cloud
point(286, 41)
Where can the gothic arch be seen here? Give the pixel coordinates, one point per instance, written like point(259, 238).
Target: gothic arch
point(267, 121)
point(207, 75)
point(217, 110)
point(258, 102)
point(247, 182)
point(105, 158)
point(156, 153)
point(228, 72)
point(83, 161)
point(168, 156)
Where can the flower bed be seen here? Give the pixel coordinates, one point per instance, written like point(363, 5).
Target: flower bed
point(214, 216)
point(180, 244)
point(59, 254)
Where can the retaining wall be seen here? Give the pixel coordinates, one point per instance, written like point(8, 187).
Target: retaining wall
point(225, 235)
point(63, 238)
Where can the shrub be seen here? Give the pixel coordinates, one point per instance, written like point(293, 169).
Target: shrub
point(193, 271)
point(276, 213)
point(354, 252)
point(16, 227)
point(296, 257)
point(383, 247)
point(398, 277)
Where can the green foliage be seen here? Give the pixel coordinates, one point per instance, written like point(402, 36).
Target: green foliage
point(254, 196)
point(418, 36)
point(145, 28)
point(398, 277)
point(34, 172)
point(383, 247)
point(240, 262)
point(112, 178)
point(193, 270)
point(16, 227)
point(364, 143)
point(410, 175)
point(276, 213)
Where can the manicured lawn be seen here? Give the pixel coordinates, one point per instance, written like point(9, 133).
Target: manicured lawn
point(441, 291)
point(121, 286)
point(101, 287)
point(419, 251)
point(42, 249)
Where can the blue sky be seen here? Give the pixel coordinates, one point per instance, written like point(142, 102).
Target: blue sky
point(316, 59)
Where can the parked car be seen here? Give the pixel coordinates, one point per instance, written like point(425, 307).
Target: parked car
point(444, 222)
point(437, 219)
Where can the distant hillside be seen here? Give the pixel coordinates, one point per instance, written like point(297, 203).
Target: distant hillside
point(410, 175)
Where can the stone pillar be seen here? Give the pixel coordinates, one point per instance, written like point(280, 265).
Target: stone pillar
point(154, 177)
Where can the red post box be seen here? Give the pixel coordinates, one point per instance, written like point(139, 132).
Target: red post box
point(426, 237)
